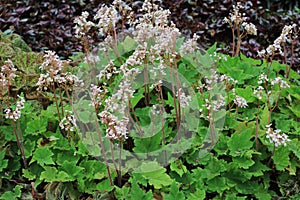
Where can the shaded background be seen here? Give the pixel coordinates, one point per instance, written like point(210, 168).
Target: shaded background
point(49, 24)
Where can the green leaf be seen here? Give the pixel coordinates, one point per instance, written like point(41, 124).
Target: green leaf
point(104, 186)
point(246, 93)
point(86, 186)
point(170, 100)
point(178, 167)
point(144, 115)
point(218, 184)
point(281, 157)
point(258, 169)
point(148, 144)
point(137, 193)
point(198, 195)
point(36, 126)
point(213, 168)
point(85, 112)
point(93, 169)
point(49, 174)
point(264, 117)
point(292, 168)
point(63, 156)
point(71, 169)
point(174, 193)
point(240, 142)
point(155, 174)
point(139, 179)
point(52, 174)
point(28, 174)
point(236, 175)
point(212, 49)
point(235, 197)
point(294, 145)
point(135, 99)
point(3, 162)
point(294, 91)
point(248, 187)
point(29, 147)
point(43, 156)
point(189, 74)
point(63, 177)
point(245, 159)
point(122, 193)
point(295, 110)
point(284, 125)
point(221, 147)
point(9, 195)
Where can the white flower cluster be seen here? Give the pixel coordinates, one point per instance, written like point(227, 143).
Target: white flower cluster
point(108, 71)
point(263, 78)
point(107, 44)
point(117, 103)
point(184, 99)
point(8, 70)
point(236, 16)
point(53, 67)
point(138, 56)
point(280, 82)
point(219, 103)
point(190, 45)
point(214, 105)
point(153, 24)
point(276, 46)
point(15, 114)
point(3, 80)
point(68, 123)
point(237, 19)
point(7, 73)
point(82, 25)
point(259, 92)
point(97, 95)
point(227, 79)
point(157, 72)
point(217, 57)
point(210, 81)
point(250, 28)
point(165, 40)
point(240, 102)
point(91, 59)
point(116, 129)
point(124, 10)
point(108, 18)
point(276, 137)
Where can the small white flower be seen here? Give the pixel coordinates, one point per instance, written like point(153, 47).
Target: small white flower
point(280, 82)
point(15, 114)
point(82, 25)
point(8, 70)
point(108, 18)
point(262, 78)
point(240, 102)
point(184, 99)
point(261, 53)
point(250, 28)
point(68, 123)
point(190, 45)
point(276, 137)
point(258, 92)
